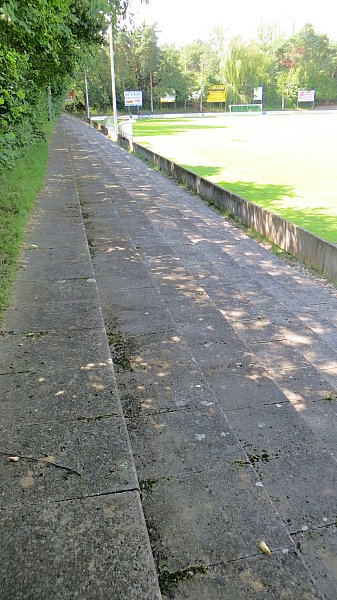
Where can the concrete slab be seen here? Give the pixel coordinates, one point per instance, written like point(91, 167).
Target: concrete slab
point(162, 391)
point(61, 290)
point(321, 417)
point(206, 329)
point(54, 271)
point(126, 265)
point(157, 350)
point(144, 297)
point(92, 548)
point(123, 282)
point(38, 257)
point(50, 351)
point(183, 441)
point(205, 518)
point(302, 485)
point(270, 431)
point(212, 353)
point(50, 239)
point(240, 387)
point(318, 548)
point(67, 393)
point(140, 322)
point(288, 358)
point(282, 575)
point(53, 317)
point(257, 331)
point(304, 384)
point(118, 257)
point(94, 452)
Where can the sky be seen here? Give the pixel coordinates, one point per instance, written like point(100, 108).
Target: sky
point(183, 21)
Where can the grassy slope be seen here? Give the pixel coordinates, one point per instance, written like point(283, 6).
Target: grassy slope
point(286, 163)
point(18, 189)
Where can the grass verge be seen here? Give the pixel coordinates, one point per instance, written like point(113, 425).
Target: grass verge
point(19, 188)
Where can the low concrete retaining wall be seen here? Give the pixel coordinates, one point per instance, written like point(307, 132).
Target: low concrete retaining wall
point(307, 247)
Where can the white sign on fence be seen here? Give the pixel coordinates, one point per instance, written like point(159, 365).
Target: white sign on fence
point(133, 98)
point(306, 96)
point(169, 98)
point(258, 92)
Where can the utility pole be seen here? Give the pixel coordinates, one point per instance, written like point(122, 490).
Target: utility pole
point(50, 104)
point(113, 82)
point(86, 95)
point(185, 70)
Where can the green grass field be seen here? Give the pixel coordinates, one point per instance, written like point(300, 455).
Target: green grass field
point(286, 163)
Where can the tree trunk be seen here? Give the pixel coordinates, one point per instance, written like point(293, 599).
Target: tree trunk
point(288, 86)
point(201, 81)
point(283, 91)
point(151, 91)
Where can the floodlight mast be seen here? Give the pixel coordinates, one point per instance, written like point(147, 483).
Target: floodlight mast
point(113, 81)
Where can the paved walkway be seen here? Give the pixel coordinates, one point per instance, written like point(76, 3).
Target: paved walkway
point(225, 366)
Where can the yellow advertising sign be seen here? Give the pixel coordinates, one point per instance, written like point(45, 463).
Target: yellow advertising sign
point(217, 93)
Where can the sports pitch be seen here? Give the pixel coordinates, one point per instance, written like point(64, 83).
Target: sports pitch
point(284, 162)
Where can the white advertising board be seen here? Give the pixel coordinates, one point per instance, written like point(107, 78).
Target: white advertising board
point(133, 98)
point(258, 92)
point(306, 96)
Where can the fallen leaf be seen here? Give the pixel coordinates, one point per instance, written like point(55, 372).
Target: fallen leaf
point(264, 548)
point(13, 458)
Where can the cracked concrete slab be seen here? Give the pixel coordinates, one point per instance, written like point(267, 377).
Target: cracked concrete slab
point(61, 394)
point(93, 453)
point(278, 576)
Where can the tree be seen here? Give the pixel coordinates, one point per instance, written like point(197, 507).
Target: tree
point(203, 66)
point(41, 41)
point(148, 54)
point(171, 78)
point(316, 58)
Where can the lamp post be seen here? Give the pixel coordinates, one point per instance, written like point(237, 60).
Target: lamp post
point(113, 83)
point(86, 94)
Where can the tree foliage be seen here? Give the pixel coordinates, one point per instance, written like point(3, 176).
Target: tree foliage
point(282, 66)
point(40, 43)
